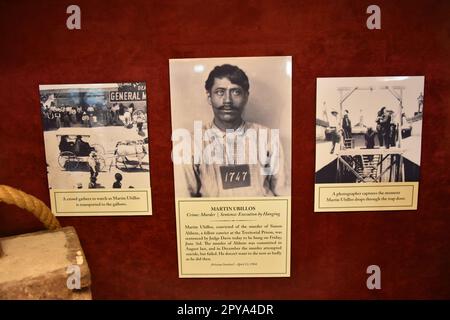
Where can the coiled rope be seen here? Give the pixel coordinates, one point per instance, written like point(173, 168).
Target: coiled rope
point(30, 203)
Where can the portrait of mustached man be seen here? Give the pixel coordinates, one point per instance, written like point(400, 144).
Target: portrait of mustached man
point(227, 168)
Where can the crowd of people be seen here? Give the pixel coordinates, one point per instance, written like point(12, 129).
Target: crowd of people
point(118, 114)
point(386, 130)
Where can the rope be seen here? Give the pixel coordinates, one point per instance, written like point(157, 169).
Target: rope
point(30, 203)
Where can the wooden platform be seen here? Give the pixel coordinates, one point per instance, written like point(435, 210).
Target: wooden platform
point(363, 151)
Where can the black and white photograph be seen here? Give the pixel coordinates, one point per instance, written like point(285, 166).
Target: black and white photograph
point(96, 135)
point(231, 121)
point(369, 129)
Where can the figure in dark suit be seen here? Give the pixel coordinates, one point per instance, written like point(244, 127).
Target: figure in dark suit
point(347, 125)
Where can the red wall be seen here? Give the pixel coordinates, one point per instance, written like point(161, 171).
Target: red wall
point(136, 257)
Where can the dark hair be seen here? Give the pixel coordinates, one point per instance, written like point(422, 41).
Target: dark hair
point(232, 73)
point(118, 177)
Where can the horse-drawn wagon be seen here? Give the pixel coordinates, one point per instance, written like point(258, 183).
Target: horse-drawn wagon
point(130, 154)
point(75, 150)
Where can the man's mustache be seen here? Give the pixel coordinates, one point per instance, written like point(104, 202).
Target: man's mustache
point(227, 107)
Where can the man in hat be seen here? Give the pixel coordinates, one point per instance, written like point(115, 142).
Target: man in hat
point(333, 122)
point(383, 126)
point(420, 101)
point(347, 125)
point(94, 164)
point(81, 148)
